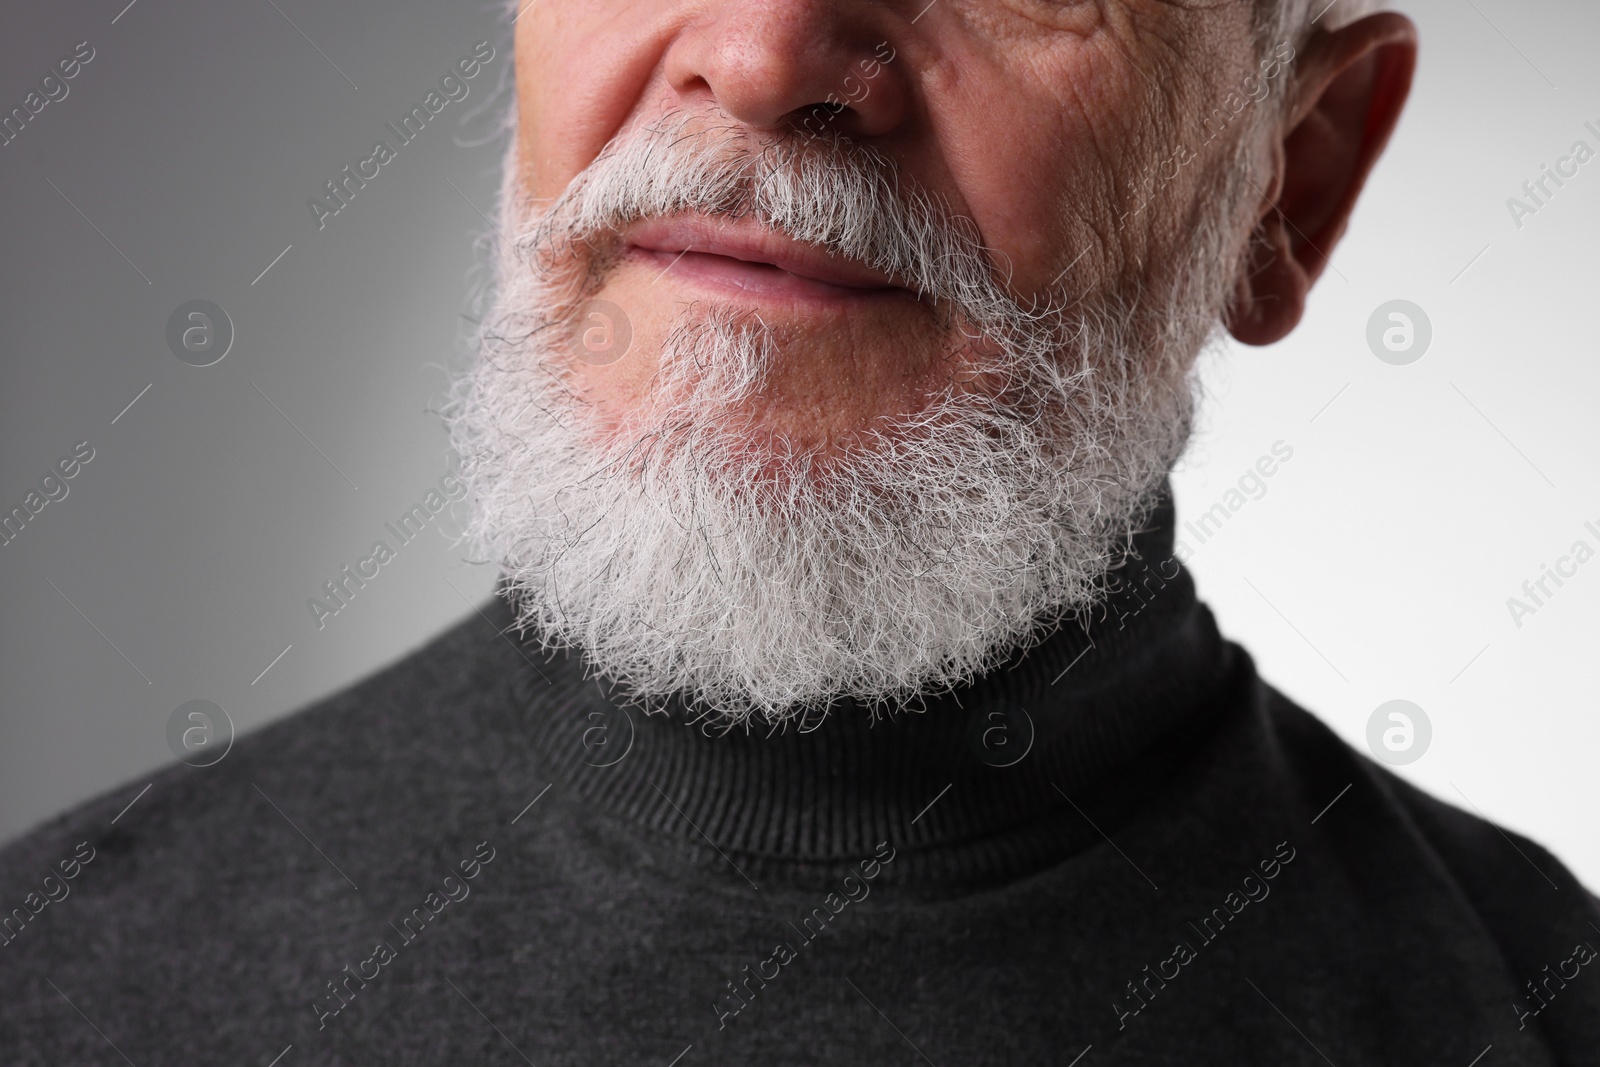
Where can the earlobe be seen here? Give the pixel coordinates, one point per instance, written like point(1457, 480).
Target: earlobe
point(1270, 294)
point(1350, 85)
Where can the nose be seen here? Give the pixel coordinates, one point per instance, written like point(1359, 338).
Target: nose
point(776, 65)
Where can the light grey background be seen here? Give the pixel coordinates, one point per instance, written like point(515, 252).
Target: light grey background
point(1375, 567)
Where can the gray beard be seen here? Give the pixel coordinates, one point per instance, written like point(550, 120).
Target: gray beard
point(757, 579)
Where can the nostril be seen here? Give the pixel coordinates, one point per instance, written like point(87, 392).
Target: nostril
point(818, 118)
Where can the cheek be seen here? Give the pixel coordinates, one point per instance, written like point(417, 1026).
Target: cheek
point(583, 69)
point(1035, 153)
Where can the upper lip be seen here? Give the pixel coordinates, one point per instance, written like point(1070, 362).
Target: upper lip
point(749, 240)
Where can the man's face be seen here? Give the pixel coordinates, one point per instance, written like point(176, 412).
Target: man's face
point(1049, 124)
point(781, 402)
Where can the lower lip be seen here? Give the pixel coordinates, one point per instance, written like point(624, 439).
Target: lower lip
point(759, 280)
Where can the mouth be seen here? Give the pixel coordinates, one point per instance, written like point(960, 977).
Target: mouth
point(742, 257)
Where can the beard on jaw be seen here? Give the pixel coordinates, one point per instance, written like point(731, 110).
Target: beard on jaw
point(758, 577)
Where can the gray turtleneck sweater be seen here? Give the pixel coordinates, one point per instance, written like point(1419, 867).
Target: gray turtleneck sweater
point(1122, 847)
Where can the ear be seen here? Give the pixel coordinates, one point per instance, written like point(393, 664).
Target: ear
point(1350, 85)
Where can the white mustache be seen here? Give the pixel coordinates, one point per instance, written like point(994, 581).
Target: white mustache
point(830, 192)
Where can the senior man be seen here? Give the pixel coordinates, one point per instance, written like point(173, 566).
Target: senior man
point(846, 702)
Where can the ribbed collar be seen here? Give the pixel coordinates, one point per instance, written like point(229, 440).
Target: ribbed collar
point(959, 788)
